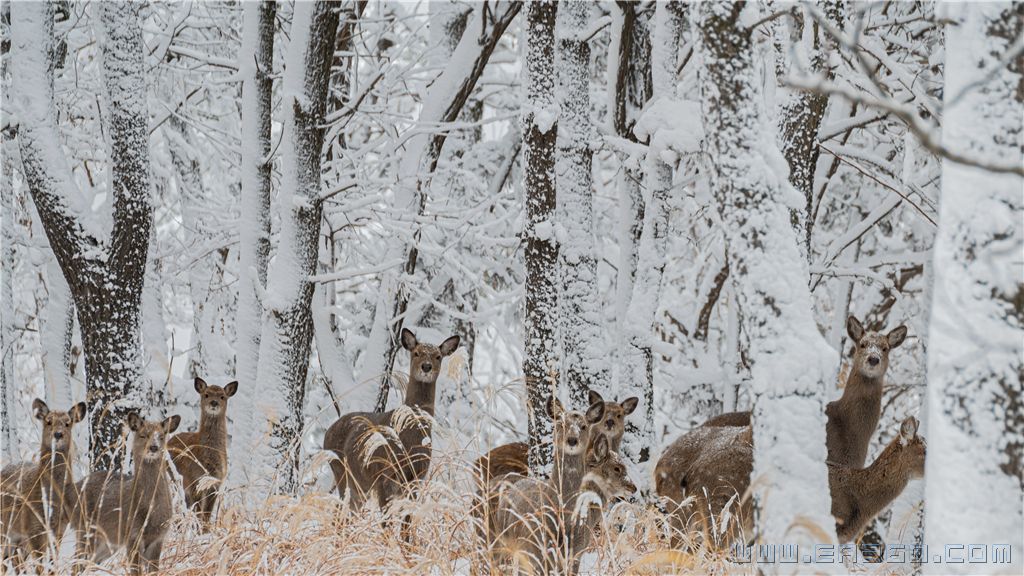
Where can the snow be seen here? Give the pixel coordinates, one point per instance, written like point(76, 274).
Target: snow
point(675, 128)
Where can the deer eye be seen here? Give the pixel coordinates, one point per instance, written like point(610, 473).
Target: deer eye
point(885, 349)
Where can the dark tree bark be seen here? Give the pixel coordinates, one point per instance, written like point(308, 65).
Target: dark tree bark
point(541, 253)
point(105, 274)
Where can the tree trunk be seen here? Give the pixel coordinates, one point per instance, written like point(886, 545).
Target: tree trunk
point(541, 254)
point(975, 467)
point(585, 363)
point(288, 326)
point(105, 276)
point(8, 406)
point(789, 359)
point(255, 65)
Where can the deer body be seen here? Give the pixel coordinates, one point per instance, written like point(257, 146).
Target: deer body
point(388, 452)
point(36, 498)
point(117, 511)
point(204, 453)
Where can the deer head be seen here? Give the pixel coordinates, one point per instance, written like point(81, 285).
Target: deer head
point(57, 425)
point(150, 438)
point(871, 358)
point(572, 429)
point(425, 359)
point(213, 398)
point(913, 447)
point(607, 472)
point(615, 413)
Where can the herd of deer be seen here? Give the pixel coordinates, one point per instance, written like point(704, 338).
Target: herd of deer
point(540, 524)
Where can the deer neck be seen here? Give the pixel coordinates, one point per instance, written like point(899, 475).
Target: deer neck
point(149, 478)
point(420, 394)
point(881, 482)
point(860, 407)
point(55, 465)
point(567, 473)
point(213, 429)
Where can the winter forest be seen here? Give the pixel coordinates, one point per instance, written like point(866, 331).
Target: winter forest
point(459, 287)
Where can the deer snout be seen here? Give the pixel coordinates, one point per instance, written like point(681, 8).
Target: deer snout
point(58, 435)
point(572, 442)
point(153, 448)
point(426, 367)
point(214, 404)
point(873, 360)
point(610, 423)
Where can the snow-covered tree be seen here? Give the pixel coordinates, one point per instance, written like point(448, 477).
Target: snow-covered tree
point(975, 467)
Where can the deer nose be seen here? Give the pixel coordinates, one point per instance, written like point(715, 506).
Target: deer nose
point(215, 404)
point(426, 366)
point(58, 435)
point(610, 423)
point(154, 448)
point(873, 360)
point(572, 442)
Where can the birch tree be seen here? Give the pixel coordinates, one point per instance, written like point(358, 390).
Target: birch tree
point(288, 324)
point(105, 271)
point(255, 65)
point(975, 466)
point(789, 359)
point(540, 127)
point(585, 364)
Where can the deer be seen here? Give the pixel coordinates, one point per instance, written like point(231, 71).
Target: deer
point(571, 434)
point(548, 523)
point(860, 494)
point(390, 452)
point(721, 472)
point(133, 512)
point(203, 455)
point(512, 458)
point(34, 496)
point(852, 418)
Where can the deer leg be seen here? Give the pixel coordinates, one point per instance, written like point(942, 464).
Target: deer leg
point(151, 556)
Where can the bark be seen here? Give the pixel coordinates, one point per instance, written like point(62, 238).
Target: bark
point(789, 359)
point(585, 364)
point(56, 327)
point(8, 406)
point(802, 116)
point(541, 254)
point(641, 317)
point(975, 467)
point(255, 65)
point(442, 104)
point(105, 275)
point(287, 326)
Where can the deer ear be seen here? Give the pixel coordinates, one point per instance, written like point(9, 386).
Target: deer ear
point(594, 396)
point(554, 407)
point(135, 421)
point(78, 412)
point(408, 339)
point(595, 412)
point(854, 329)
point(200, 385)
point(600, 449)
point(629, 404)
point(171, 424)
point(908, 429)
point(40, 408)
point(231, 388)
point(896, 336)
point(450, 345)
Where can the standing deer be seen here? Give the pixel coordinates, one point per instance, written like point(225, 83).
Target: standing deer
point(546, 524)
point(512, 458)
point(388, 452)
point(852, 418)
point(202, 456)
point(35, 497)
point(132, 512)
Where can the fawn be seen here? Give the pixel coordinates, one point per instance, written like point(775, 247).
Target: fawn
point(204, 454)
point(35, 497)
point(512, 458)
point(388, 452)
point(133, 512)
point(852, 418)
point(546, 524)
point(859, 494)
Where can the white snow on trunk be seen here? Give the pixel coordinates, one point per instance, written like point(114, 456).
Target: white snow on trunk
point(975, 401)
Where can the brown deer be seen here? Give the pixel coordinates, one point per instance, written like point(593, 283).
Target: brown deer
point(721, 471)
point(512, 458)
point(33, 503)
point(572, 433)
point(852, 418)
point(202, 456)
point(859, 494)
point(546, 524)
point(389, 452)
point(132, 512)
